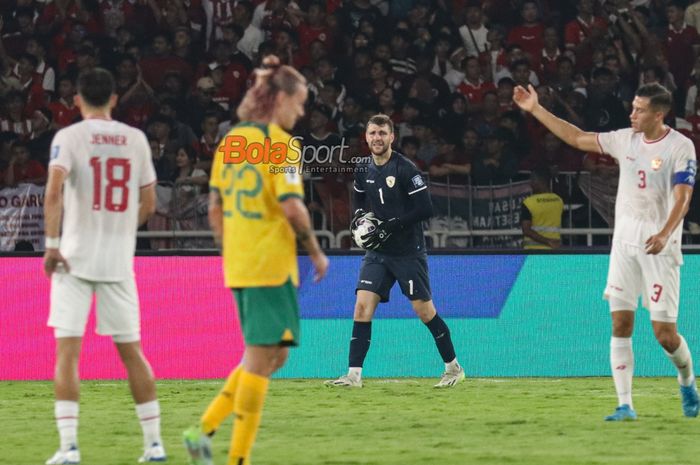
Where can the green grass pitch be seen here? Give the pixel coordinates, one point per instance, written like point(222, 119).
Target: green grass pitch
point(533, 421)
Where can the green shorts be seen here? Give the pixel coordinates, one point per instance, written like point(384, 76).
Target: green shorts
point(269, 315)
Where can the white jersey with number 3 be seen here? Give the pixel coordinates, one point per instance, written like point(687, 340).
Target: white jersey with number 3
point(648, 172)
point(106, 164)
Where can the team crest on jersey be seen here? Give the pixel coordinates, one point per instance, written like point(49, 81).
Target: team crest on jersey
point(390, 181)
point(656, 164)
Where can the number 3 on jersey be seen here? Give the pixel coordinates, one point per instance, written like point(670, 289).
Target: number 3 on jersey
point(642, 179)
point(117, 172)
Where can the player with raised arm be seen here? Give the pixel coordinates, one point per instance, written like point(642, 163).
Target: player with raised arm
point(657, 175)
point(392, 190)
point(257, 216)
point(102, 181)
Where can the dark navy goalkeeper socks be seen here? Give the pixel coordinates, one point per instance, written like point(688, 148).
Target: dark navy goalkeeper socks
point(443, 341)
point(359, 343)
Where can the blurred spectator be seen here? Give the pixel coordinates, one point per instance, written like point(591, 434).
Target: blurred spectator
point(311, 27)
point(621, 87)
point(522, 74)
point(8, 83)
point(692, 14)
point(45, 74)
point(427, 87)
point(553, 154)
point(682, 42)
point(550, 54)
point(605, 111)
point(410, 112)
point(41, 137)
point(350, 116)
point(529, 35)
point(13, 118)
point(497, 164)
point(454, 74)
point(496, 56)
point(161, 61)
point(504, 94)
point(209, 140)
point(160, 162)
point(183, 47)
point(252, 36)
point(161, 129)
point(63, 109)
point(473, 32)
point(381, 78)
point(353, 11)
point(487, 120)
point(692, 89)
point(540, 216)
point(188, 179)
point(7, 139)
point(25, 72)
point(387, 105)
point(184, 134)
point(14, 37)
point(583, 34)
point(21, 168)
point(563, 80)
point(451, 164)
point(423, 131)
point(402, 65)
point(473, 87)
point(409, 149)
point(455, 118)
point(136, 97)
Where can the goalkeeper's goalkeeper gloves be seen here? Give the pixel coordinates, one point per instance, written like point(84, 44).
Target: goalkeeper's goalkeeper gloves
point(377, 237)
point(359, 213)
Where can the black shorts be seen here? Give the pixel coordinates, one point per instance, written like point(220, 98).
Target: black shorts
point(379, 272)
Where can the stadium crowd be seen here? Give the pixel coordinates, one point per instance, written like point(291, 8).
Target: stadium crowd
point(443, 70)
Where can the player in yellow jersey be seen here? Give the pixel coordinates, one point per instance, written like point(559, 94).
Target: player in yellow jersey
point(257, 214)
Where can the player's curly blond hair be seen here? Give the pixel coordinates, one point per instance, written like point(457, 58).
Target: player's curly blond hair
point(270, 79)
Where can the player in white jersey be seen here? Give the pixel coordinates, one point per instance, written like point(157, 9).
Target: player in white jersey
point(102, 181)
point(657, 175)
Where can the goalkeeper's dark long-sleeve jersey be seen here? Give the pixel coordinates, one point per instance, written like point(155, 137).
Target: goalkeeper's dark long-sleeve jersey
point(395, 190)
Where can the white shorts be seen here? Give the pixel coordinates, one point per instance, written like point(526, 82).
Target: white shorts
point(117, 306)
point(656, 278)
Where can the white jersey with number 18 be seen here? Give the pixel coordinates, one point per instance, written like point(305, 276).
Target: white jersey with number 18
point(106, 164)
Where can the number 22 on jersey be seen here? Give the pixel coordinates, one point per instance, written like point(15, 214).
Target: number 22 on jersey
point(114, 173)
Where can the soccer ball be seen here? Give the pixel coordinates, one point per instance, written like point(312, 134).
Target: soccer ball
point(363, 226)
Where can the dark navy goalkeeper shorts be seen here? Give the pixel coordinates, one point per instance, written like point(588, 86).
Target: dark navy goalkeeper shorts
point(379, 272)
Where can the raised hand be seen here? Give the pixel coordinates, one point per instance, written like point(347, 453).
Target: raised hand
point(525, 99)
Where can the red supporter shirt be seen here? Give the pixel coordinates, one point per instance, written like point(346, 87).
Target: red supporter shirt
point(679, 51)
point(234, 85)
point(475, 93)
point(577, 30)
point(308, 34)
point(548, 66)
point(528, 38)
point(63, 115)
point(154, 69)
point(32, 170)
